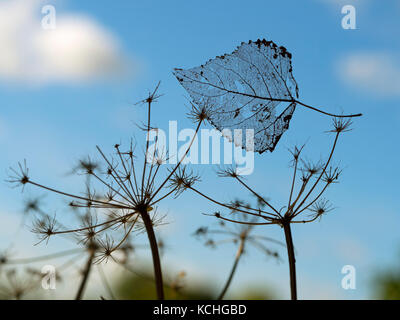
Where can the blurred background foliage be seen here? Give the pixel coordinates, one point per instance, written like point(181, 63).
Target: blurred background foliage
point(124, 286)
point(387, 283)
point(142, 287)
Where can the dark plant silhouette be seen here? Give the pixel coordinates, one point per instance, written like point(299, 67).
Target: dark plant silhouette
point(243, 235)
point(17, 286)
point(251, 88)
point(244, 89)
point(88, 250)
point(313, 180)
point(129, 193)
point(22, 276)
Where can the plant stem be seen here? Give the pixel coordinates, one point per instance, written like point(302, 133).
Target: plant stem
point(156, 256)
point(292, 260)
point(237, 258)
point(85, 278)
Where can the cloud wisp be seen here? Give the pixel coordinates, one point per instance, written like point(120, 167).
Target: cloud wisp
point(372, 72)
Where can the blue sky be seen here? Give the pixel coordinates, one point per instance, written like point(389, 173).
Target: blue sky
point(59, 118)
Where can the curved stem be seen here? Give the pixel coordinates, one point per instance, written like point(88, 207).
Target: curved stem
point(293, 181)
point(155, 255)
point(85, 278)
point(327, 113)
point(258, 196)
point(77, 197)
point(292, 100)
point(45, 257)
point(232, 208)
point(147, 147)
point(244, 222)
point(292, 260)
point(237, 258)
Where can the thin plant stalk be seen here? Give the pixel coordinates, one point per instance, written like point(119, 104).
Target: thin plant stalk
point(239, 254)
point(325, 175)
point(85, 277)
point(105, 282)
point(155, 255)
point(128, 192)
point(292, 260)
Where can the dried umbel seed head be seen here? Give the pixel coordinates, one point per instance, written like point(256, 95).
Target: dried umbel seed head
point(105, 250)
point(199, 114)
point(243, 234)
point(86, 166)
point(341, 125)
point(20, 176)
point(110, 195)
point(312, 168)
point(320, 207)
point(201, 231)
point(88, 232)
point(3, 259)
point(109, 171)
point(32, 205)
point(45, 227)
point(332, 175)
point(296, 151)
point(229, 172)
point(210, 243)
point(237, 204)
point(182, 179)
point(153, 96)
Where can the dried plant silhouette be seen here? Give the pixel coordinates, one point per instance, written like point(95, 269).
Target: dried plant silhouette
point(243, 235)
point(83, 249)
point(24, 277)
point(17, 286)
point(244, 89)
point(251, 88)
point(311, 180)
point(125, 197)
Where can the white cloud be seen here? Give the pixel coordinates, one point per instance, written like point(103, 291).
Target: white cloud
point(77, 50)
point(376, 72)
